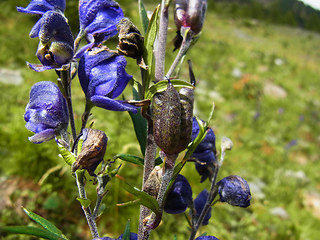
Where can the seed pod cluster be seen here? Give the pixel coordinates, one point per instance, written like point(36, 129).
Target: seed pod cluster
point(92, 152)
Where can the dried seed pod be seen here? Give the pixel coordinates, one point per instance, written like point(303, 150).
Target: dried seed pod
point(167, 120)
point(130, 41)
point(153, 182)
point(92, 152)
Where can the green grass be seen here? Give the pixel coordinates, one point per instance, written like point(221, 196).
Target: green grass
point(259, 153)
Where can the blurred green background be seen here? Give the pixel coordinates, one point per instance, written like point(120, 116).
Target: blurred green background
point(261, 72)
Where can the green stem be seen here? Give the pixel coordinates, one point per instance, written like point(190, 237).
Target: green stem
point(66, 83)
point(87, 212)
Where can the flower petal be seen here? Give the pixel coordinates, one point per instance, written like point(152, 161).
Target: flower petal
point(43, 136)
point(111, 104)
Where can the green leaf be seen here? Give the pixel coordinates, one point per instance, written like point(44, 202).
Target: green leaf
point(44, 223)
point(67, 156)
point(126, 233)
point(143, 16)
point(34, 231)
point(149, 39)
point(140, 125)
point(130, 158)
point(84, 202)
point(162, 86)
point(144, 198)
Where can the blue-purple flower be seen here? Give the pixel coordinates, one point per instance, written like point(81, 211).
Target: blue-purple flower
point(46, 113)
point(199, 204)
point(179, 197)
point(206, 238)
point(205, 153)
point(98, 21)
point(235, 191)
point(41, 7)
point(56, 42)
point(103, 78)
point(133, 236)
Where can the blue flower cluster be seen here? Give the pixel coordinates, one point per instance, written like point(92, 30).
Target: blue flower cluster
point(205, 153)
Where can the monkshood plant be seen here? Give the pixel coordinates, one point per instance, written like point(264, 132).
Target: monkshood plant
point(161, 112)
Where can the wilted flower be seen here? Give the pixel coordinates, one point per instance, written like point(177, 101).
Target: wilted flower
point(41, 7)
point(179, 197)
point(199, 204)
point(235, 191)
point(56, 42)
point(103, 78)
point(190, 13)
point(93, 148)
point(46, 113)
point(206, 238)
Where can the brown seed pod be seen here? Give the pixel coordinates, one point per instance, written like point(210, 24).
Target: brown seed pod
point(92, 152)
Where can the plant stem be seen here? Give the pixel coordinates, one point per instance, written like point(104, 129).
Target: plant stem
point(150, 155)
point(66, 83)
point(86, 114)
point(87, 212)
point(187, 39)
point(161, 42)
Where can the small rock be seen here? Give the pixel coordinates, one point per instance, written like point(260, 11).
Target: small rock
point(274, 91)
point(9, 76)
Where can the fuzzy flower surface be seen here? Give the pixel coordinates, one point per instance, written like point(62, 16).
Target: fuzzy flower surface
point(46, 113)
point(235, 191)
point(98, 21)
point(56, 42)
point(41, 7)
point(199, 204)
point(103, 78)
point(179, 197)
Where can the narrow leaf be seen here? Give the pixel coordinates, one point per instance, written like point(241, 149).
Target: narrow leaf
point(149, 39)
point(162, 86)
point(44, 223)
point(34, 231)
point(84, 202)
point(126, 233)
point(146, 199)
point(140, 125)
point(67, 156)
point(130, 158)
point(143, 16)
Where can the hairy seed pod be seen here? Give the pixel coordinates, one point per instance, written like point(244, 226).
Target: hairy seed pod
point(92, 152)
point(172, 119)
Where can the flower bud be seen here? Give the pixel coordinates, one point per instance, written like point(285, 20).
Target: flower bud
point(199, 204)
point(172, 119)
point(190, 13)
point(208, 143)
point(179, 197)
point(205, 163)
point(235, 191)
point(92, 152)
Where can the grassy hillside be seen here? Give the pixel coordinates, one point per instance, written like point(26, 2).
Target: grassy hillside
point(264, 81)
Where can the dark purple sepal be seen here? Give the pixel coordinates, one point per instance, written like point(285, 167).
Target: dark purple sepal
point(103, 78)
point(179, 197)
point(208, 143)
point(133, 236)
point(235, 191)
point(39, 67)
point(46, 113)
point(42, 6)
point(205, 163)
point(199, 204)
point(99, 17)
